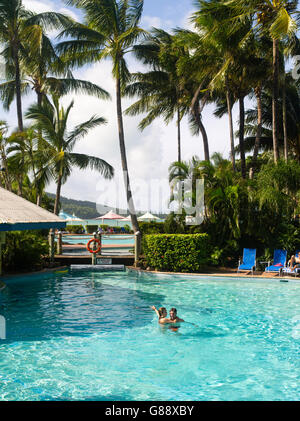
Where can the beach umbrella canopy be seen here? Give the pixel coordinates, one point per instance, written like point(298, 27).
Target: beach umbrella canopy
point(148, 217)
point(111, 215)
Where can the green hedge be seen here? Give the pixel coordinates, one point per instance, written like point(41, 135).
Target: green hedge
point(177, 252)
point(90, 229)
point(75, 229)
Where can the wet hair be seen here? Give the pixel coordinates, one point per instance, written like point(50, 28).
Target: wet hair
point(161, 310)
point(174, 310)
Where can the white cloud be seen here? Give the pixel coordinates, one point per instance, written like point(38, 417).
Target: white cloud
point(148, 22)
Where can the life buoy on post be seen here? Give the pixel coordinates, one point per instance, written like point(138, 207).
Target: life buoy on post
point(94, 240)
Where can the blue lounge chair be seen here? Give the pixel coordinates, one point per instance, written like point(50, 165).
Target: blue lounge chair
point(249, 261)
point(123, 230)
point(279, 261)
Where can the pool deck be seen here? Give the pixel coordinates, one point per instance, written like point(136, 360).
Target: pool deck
point(224, 272)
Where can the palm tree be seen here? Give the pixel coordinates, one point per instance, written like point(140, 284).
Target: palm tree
point(5, 175)
point(45, 73)
point(274, 18)
point(292, 121)
point(111, 30)
point(19, 26)
point(56, 144)
point(161, 90)
point(24, 152)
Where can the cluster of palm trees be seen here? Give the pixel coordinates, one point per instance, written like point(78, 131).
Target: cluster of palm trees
point(237, 50)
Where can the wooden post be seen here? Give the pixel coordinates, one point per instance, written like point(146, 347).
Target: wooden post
point(51, 245)
point(59, 243)
point(100, 238)
point(94, 248)
point(137, 248)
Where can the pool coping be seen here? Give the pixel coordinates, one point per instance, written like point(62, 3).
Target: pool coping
point(214, 275)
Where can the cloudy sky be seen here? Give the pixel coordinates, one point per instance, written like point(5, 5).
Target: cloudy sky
point(149, 152)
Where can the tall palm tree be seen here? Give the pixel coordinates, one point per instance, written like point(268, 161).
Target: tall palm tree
point(161, 90)
point(17, 26)
point(57, 143)
point(274, 18)
point(46, 73)
point(110, 31)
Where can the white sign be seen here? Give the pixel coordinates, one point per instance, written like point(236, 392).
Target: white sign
point(104, 261)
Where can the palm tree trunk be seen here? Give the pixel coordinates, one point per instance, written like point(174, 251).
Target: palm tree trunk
point(229, 109)
point(130, 202)
point(198, 120)
point(275, 99)
point(57, 197)
point(258, 132)
point(284, 121)
point(178, 136)
point(241, 136)
point(6, 175)
point(18, 88)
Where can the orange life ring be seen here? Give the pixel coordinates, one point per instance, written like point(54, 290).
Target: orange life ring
point(94, 240)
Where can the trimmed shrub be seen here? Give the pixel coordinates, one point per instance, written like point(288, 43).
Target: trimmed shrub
point(177, 252)
point(104, 227)
point(75, 229)
point(152, 227)
point(90, 229)
point(24, 251)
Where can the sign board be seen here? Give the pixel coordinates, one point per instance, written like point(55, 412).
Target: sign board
point(104, 261)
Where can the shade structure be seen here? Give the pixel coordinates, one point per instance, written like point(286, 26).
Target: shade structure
point(128, 218)
point(18, 214)
point(148, 217)
point(111, 215)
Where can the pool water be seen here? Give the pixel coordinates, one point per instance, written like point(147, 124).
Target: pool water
point(92, 336)
point(106, 239)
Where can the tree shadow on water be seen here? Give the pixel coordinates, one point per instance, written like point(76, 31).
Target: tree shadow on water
point(78, 310)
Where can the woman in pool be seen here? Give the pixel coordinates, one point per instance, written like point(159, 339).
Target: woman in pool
point(161, 314)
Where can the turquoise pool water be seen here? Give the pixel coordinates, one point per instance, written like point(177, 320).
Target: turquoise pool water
point(91, 336)
point(106, 239)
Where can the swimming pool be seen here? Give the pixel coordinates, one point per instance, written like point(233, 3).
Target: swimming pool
point(92, 336)
point(106, 239)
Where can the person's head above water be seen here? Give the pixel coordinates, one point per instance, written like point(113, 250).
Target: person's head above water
point(173, 313)
point(162, 312)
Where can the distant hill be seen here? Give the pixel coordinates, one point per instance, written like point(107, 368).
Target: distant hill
point(85, 209)
point(82, 208)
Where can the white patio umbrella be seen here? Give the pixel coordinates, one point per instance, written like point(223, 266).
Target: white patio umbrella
point(148, 217)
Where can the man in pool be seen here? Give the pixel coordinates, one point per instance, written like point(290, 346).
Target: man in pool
point(173, 316)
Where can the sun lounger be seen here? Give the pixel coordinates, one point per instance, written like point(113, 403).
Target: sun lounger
point(279, 261)
point(249, 261)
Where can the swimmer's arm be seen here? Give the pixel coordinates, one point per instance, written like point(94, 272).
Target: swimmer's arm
point(156, 311)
